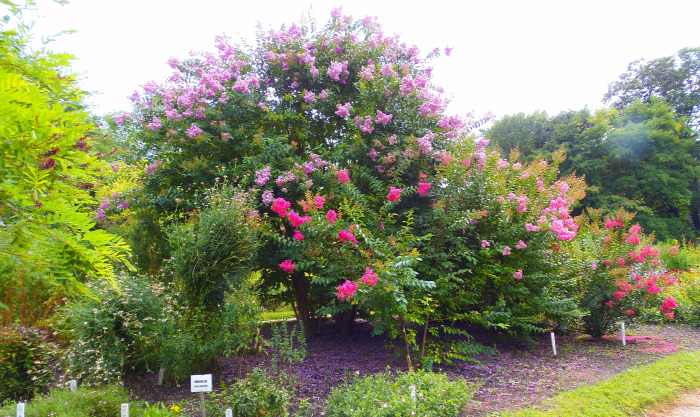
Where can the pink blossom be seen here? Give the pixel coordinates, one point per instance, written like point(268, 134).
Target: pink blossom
point(521, 245)
point(383, 118)
point(518, 274)
point(394, 194)
point(288, 266)
point(194, 131)
point(347, 290)
point(531, 228)
point(673, 251)
point(423, 188)
point(280, 206)
point(506, 251)
point(262, 176)
point(336, 69)
point(343, 110)
point(367, 126)
point(668, 305)
point(343, 176)
point(298, 236)
point(267, 197)
point(344, 235)
point(309, 96)
point(331, 216)
point(115, 167)
point(425, 143)
point(369, 278)
point(295, 219)
point(610, 304)
point(319, 202)
point(155, 124)
point(323, 95)
point(485, 243)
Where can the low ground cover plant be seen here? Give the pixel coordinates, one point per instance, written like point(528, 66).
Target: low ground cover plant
point(400, 394)
point(101, 401)
point(27, 362)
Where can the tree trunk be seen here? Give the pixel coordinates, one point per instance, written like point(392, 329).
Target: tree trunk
point(402, 324)
point(304, 310)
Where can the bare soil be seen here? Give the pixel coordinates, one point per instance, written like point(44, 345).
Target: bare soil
point(520, 375)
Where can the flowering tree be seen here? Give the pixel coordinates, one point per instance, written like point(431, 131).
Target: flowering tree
point(329, 127)
point(619, 272)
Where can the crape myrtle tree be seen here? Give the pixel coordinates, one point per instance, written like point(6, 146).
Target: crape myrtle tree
point(321, 123)
point(363, 185)
point(48, 167)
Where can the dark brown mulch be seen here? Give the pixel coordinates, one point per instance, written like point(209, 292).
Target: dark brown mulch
point(520, 375)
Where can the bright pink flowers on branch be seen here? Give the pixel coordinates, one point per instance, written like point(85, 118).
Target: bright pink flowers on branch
point(347, 290)
point(394, 194)
point(288, 266)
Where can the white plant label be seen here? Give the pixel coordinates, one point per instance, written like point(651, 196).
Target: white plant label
point(125, 410)
point(73, 384)
point(200, 383)
point(413, 393)
point(554, 345)
point(624, 338)
point(229, 412)
point(20, 409)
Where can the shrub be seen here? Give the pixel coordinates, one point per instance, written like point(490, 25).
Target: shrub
point(687, 294)
point(679, 255)
point(121, 332)
point(26, 359)
point(101, 401)
point(387, 394)
point(258, 394)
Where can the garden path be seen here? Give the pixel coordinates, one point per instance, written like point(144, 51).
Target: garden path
point(687, 405)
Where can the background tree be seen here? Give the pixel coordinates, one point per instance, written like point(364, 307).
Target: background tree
point(48, 171)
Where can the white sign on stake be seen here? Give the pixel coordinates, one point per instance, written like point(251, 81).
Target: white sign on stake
point(125, 410)
point(20, 409)
point(200, 383)
point(229, 412)
point(73, 385)
point(554, 345)
point(624, 338)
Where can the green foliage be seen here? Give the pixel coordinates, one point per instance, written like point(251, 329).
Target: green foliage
point(211, 253)
point(204, 337)
point(159, 410)
point(619, 274)
point(47, 169)
point(388, 394)
point(683, 255)
point(687, 294)
point(29, 295)
point(27, 362)
point(98, 401)
point(258, 394)
point(642, 158)
point(122, 331)
point(632, 393)
point(288, 345)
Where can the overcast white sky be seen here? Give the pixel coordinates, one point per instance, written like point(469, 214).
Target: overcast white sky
point(509, 56)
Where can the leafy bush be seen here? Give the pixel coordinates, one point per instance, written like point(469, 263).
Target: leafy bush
point(258, 394)
point(121, 332)
point(104, 401)
point(679, 255)
point(159, 410)
point(687, 294)
point(284, 347)
point(28, 294)
point(26, 359)
point(619, 274)
point(387, 394)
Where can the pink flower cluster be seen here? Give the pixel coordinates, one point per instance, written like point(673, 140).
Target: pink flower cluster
point(347, 290)
point(345, 236)
point(370, 277)
point(343, 176)
point(423, 189)
point(288, 266)
point(332, 217)
point(262, 176)
point(280, 206)
point(394, 194)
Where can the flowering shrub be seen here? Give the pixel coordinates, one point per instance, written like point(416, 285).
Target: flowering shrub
point(619, 273)
point(26, 359)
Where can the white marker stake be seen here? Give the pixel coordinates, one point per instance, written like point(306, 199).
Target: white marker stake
point(73, 384)
point(125, 410)
point(201, 384)
point(161, 375)
point(554, 345)
point(229, 413)
point(413, 393)
point(20, 409)
point(624, 338)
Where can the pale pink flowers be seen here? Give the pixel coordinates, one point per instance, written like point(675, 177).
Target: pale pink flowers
point(521, 245)
point(506, 251)
point(485, 243)
point(518, 274)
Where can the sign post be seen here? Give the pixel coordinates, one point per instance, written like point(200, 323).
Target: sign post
point(125, 410)
point(201, 384)
point(554, 345)
point(624, 338)
point(20, 409)
point(73, 385)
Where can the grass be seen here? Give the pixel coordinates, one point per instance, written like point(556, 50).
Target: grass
point(627, 394)
point(284, 313)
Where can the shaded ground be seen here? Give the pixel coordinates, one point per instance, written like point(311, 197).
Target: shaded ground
point(521, 375)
